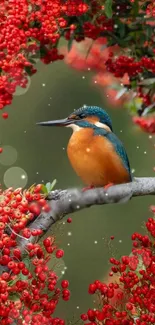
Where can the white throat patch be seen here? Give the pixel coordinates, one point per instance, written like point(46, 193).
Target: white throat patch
point(103, 126)
point(74, 127)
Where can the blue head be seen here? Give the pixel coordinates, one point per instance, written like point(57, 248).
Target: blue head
point(92, 114)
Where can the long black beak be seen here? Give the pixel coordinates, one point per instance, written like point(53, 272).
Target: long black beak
point(62, 122)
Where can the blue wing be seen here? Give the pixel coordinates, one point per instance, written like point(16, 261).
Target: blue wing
point(119, 148)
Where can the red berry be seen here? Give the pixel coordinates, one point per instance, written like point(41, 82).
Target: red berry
point(5, 115)
point(92, 288)
point(59, 253)
point(64, 284)
point(84, 317)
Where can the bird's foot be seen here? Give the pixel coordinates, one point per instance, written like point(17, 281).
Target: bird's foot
point(88, 188)
point(107, 186)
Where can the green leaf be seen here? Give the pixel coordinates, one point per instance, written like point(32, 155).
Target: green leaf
point(44, 189)
point(108, 8)
point(70, 42)
point(129, 37)
point(134, 105)
point(135, 7)
point(53, 184)
point(121, 29)
point(48, 187)
point(149, 81)
point(32, 61)
point(148, 31)
point(134, 84)
point(14, 297)
point(28, 70)
point(43, 51)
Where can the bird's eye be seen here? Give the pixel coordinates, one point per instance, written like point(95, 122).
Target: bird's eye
point(82, 115)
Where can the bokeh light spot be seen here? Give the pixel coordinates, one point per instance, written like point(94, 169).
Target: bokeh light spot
point(8, 156)
point(58, 266)
point(21, 91)
point(15, 177)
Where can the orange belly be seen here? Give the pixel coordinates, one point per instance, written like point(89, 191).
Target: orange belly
point(94, 159)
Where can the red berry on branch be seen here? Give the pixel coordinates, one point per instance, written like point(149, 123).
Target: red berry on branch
point(59, 253)
point(69, 220)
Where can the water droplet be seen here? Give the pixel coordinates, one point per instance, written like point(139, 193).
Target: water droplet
point(145, 152)
point(150, 136)
point(83, 77)
point(69, 233)
point(95, 242)
point(78, 207)
point(88, 149)
point(63, 148)
point(120, 241)
point(49, 104)
point(137, 147)
point(68, 244)
point(89, 69)
point(77, 307)
point(132, 170)
point(95, 81)
point(43, 85)
point(37, 173)
point(121, 131)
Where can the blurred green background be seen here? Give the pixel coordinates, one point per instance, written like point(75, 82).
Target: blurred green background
point(39, 155)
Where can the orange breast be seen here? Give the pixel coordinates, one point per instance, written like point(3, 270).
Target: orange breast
point(94, 159)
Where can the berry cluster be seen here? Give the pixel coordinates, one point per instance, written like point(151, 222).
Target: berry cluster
point(28, 287)
point(32, 29)
point(147, 124)
point(29, 29)
point(131, 299)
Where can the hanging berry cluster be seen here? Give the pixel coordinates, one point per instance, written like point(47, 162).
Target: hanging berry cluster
point(29, 293)
point(32, 29)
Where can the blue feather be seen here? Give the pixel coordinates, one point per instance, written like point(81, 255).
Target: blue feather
point(117, 144)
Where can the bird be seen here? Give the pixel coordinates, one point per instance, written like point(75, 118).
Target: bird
point(96, 154)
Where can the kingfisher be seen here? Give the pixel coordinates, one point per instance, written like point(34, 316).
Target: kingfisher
point(96, 154)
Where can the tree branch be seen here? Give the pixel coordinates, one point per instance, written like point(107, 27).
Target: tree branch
point(64, 202)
